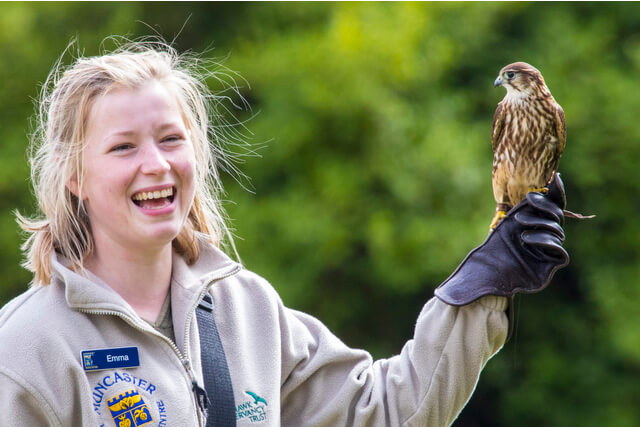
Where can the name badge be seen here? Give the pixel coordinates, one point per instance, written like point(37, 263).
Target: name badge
point(110, 358)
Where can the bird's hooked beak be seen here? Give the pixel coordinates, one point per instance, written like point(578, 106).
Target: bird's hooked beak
point(498, 82)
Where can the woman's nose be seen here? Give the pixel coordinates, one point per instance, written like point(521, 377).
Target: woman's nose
point(153, 160)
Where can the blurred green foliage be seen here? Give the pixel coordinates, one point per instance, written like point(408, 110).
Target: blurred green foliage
point(374, 176)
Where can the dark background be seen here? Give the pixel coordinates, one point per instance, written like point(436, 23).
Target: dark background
point(373, 125)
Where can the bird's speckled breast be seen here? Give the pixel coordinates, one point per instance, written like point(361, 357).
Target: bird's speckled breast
point(520, 161)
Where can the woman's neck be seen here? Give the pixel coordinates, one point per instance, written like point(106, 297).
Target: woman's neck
point(141, 278)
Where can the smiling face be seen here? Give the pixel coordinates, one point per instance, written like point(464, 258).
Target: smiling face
point(139, 168)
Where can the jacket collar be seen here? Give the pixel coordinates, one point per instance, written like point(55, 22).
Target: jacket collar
point(189, 283)
point(86, 292)
point(83, 290)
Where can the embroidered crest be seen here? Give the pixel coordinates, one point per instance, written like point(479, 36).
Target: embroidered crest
point(129, 410)
point(130, 400)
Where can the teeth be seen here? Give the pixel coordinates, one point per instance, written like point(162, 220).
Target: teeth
point(153, 194)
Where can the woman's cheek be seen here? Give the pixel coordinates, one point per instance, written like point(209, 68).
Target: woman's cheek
point(185, 166)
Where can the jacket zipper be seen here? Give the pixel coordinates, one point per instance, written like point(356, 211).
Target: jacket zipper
point(204, 291)
point(184, 359)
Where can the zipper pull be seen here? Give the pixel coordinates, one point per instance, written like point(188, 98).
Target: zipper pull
point(201, 396)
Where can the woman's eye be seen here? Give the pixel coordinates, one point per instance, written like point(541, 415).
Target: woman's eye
point(172, 138)
point(121, 147)
point(510, 74)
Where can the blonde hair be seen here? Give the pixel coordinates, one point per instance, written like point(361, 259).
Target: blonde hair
point(58, 143)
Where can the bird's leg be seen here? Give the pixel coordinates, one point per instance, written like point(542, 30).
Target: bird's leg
point(496, 219)
point(501, 212)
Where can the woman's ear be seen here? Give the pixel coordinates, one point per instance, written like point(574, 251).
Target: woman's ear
point(73, 186)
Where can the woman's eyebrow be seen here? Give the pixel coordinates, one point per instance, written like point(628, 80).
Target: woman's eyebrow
point(122, 133)
point(168, 125)
point(130, 132)
point(118, 134)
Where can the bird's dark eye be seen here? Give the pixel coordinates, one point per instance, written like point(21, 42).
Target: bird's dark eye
point(510, 74)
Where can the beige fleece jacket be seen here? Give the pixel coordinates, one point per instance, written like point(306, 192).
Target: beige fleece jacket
point(286, 367)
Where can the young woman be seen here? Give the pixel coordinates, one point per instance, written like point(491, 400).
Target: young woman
point(127, 247)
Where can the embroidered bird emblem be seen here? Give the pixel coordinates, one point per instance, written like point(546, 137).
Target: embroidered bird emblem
point(257, 399)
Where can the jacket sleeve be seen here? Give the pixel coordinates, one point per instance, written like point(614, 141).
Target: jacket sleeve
point(21, 404)
point(325, 383)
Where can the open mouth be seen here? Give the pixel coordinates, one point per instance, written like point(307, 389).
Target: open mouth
point(154, 199)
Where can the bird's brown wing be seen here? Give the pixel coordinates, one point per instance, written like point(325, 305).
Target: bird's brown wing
point(498, 126)
point(560, 130)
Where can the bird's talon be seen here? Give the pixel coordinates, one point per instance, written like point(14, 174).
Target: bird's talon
point(543, 190)
point(496, 219)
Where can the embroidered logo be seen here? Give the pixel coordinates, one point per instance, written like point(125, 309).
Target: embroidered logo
point(255, 411)
point(129, 410)
point(117, 390)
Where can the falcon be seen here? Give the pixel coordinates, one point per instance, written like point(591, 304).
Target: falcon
point(528, 137)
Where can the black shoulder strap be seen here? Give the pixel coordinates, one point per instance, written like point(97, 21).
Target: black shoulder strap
point(221, 411)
